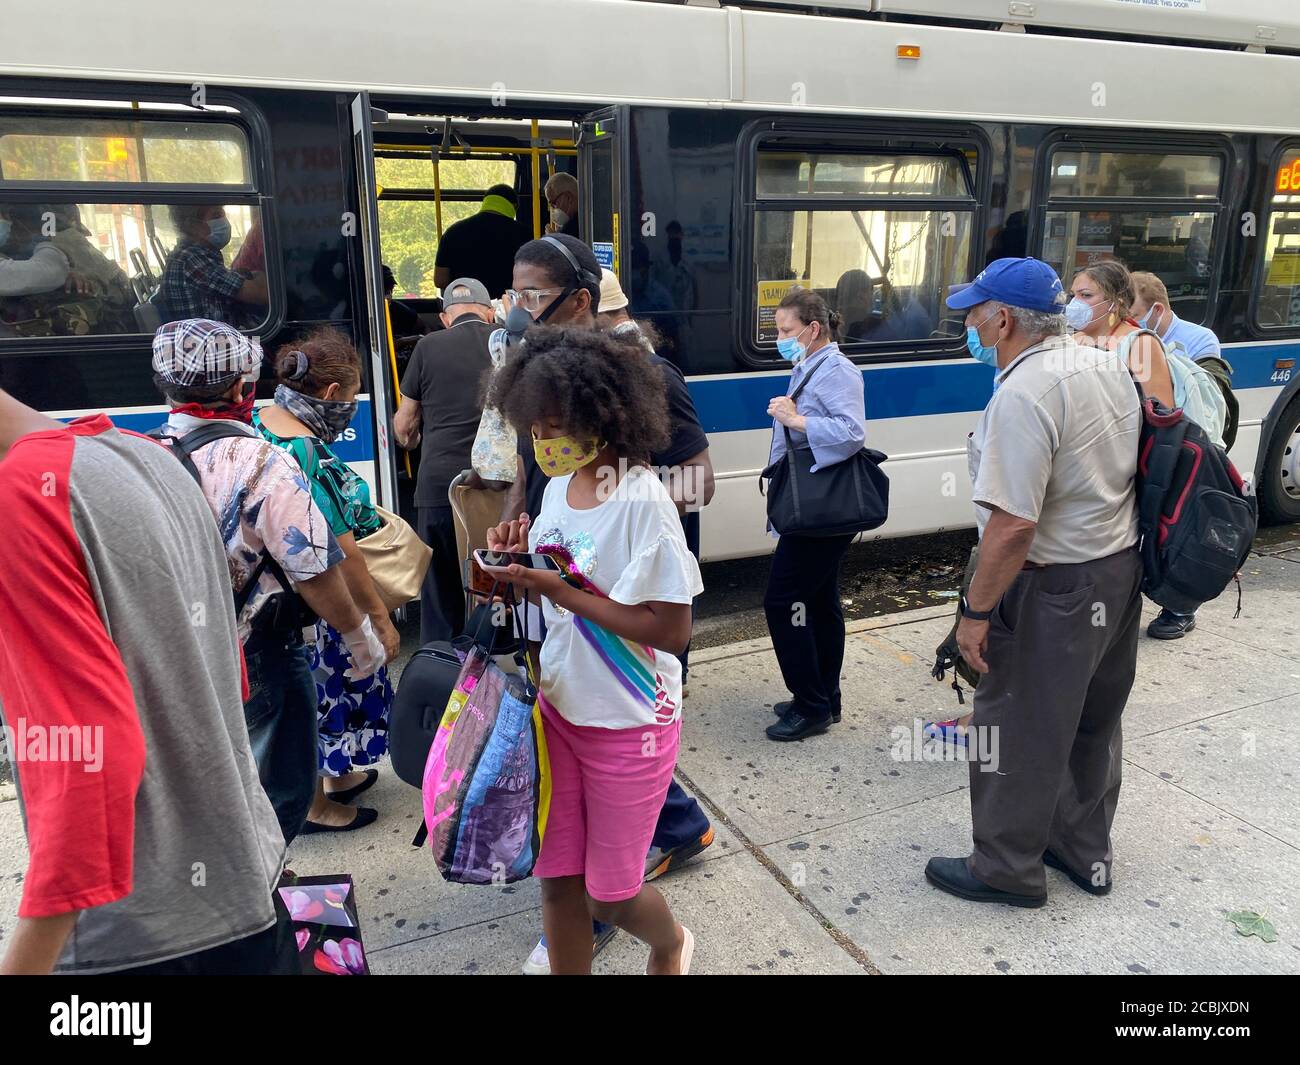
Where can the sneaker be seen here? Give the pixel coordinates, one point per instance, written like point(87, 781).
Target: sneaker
point(1170, 626)
point(660, 861)
point(945, 732)
point(539, 961)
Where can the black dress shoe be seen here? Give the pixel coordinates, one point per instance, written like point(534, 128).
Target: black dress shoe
point(1081, 881)
point(794, 726)
point(1170, 626)
point(952, 875)
point(365, 816)
point(348, 794)
point(783, 708)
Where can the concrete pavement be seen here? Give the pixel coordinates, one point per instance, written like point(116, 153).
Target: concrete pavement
point(821, 845)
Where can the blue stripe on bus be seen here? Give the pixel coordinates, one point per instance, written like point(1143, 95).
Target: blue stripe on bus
point(355, 445)
point(733, 404)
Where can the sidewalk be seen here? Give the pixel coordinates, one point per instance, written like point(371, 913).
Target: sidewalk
point(821, 845)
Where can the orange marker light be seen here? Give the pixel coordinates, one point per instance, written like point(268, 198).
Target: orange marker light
point(909, 51)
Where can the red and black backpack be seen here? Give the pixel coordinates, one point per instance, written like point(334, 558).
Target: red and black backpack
point(1196, 515)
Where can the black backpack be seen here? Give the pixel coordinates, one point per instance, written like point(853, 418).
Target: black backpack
point(286, 611)
point(1196, 516)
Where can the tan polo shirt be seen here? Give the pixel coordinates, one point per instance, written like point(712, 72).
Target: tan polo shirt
point(1057, 445)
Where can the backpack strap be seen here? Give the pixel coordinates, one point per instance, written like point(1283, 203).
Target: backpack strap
point(1166, 447)
point(186, 444)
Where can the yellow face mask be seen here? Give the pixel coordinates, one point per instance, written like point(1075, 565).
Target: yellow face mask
point(561, 455)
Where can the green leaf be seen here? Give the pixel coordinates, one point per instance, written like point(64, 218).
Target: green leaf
point(1250, 923)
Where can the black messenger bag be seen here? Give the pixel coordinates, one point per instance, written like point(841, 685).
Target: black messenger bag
point(850, 497)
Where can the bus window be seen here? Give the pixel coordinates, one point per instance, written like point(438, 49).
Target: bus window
point(1277, 300)
point(409, 209)
point(1172, 238)
point(880, 236)
point(128, 267)
point(93, 265)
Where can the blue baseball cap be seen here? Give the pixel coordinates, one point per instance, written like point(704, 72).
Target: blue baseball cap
point(1028, 283)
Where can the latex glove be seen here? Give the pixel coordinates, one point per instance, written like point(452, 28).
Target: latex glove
point(366, 649)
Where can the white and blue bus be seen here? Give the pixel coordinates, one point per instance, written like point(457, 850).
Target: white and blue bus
point(876, 151)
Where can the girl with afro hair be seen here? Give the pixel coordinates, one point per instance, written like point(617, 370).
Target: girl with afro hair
point(616, 616)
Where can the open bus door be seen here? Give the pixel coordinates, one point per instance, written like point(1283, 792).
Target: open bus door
point(375, 342)
point(602, 162)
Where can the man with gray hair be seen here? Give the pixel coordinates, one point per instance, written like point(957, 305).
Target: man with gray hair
point(1051, 617)
point(562, 197)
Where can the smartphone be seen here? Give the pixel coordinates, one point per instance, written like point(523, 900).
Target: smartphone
point(502, 559)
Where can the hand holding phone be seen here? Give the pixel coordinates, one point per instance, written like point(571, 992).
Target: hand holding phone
point(524, 572)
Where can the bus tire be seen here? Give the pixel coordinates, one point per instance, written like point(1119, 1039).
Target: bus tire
point(1279, 487)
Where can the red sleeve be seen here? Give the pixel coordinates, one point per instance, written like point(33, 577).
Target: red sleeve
point(62, 686)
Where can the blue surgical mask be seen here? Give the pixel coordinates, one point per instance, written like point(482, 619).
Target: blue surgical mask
point(792, 349)
point(986, 355)
point(6, 231)
point(218, 232)
point(1080, 315)
point(1146, 321)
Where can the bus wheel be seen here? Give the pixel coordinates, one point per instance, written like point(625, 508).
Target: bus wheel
point(1279, 489)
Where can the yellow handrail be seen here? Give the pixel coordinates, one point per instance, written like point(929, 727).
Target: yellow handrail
point(437, 197)
point(535, 159)
point(397, 388)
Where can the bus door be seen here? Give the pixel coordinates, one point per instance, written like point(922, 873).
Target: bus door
point(602, 162)
point(375, 341)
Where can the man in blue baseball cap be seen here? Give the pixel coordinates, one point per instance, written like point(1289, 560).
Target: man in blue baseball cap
point(1051, 617)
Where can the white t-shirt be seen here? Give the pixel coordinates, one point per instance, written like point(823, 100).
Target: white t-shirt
point(630, 547)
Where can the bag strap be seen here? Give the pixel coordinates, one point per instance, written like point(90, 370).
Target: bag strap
point(804, 383)
point(1158, 479)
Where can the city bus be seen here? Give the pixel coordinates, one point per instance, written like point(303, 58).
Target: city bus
point(876, 151)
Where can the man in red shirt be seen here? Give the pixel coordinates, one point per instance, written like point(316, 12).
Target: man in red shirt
point(118, 647)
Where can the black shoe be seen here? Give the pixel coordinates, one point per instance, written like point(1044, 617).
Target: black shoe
point(660, 861)
point(348, 794)
point(781, 709)
point(1170, 626)
point(1081, 881)
point(365, 816)
point(952, 875)
point(794, 726)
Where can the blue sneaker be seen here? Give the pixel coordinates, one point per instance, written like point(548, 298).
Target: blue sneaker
point(945, 732)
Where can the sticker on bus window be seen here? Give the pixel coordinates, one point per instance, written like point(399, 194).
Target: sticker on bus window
point(770, 294)
point(604, 253)
point(1284, 270)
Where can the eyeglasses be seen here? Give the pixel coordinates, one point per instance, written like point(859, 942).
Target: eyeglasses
point(530, 299)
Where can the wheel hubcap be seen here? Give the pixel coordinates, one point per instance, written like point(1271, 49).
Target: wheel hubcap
point(1289, 466)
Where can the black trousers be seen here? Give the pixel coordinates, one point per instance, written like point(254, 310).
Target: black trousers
point(802, 605)
point(442, 599)
point(273, 952)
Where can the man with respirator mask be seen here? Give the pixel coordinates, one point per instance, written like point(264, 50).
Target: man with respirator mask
point(196, 282)
point(562, 197)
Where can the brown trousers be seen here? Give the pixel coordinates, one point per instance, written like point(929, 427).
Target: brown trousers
point(1062, 652)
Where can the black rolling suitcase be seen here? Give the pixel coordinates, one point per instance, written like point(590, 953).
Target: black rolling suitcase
point(418, 704)
point(425, 687)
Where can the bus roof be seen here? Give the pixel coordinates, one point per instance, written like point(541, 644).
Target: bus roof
point(629, 51)
point(1240, 23)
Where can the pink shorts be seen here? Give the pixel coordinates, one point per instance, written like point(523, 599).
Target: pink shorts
point(607, 788)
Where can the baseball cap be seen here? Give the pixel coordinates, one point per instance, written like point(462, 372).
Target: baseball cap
point(611, 293)
point(198, 352)
point(1028, 283)
point(465, 290)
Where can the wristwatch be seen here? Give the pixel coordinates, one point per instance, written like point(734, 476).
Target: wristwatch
point(974, 615)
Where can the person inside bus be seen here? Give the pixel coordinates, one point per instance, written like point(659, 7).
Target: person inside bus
point(855, 304)
point(802, 602)
point(562, 198)
point(483, 246)
point(29, 264)
point(196, 282)
point(106, 284)
point(408, 326)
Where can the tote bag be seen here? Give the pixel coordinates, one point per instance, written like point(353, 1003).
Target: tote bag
point(848, 497)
